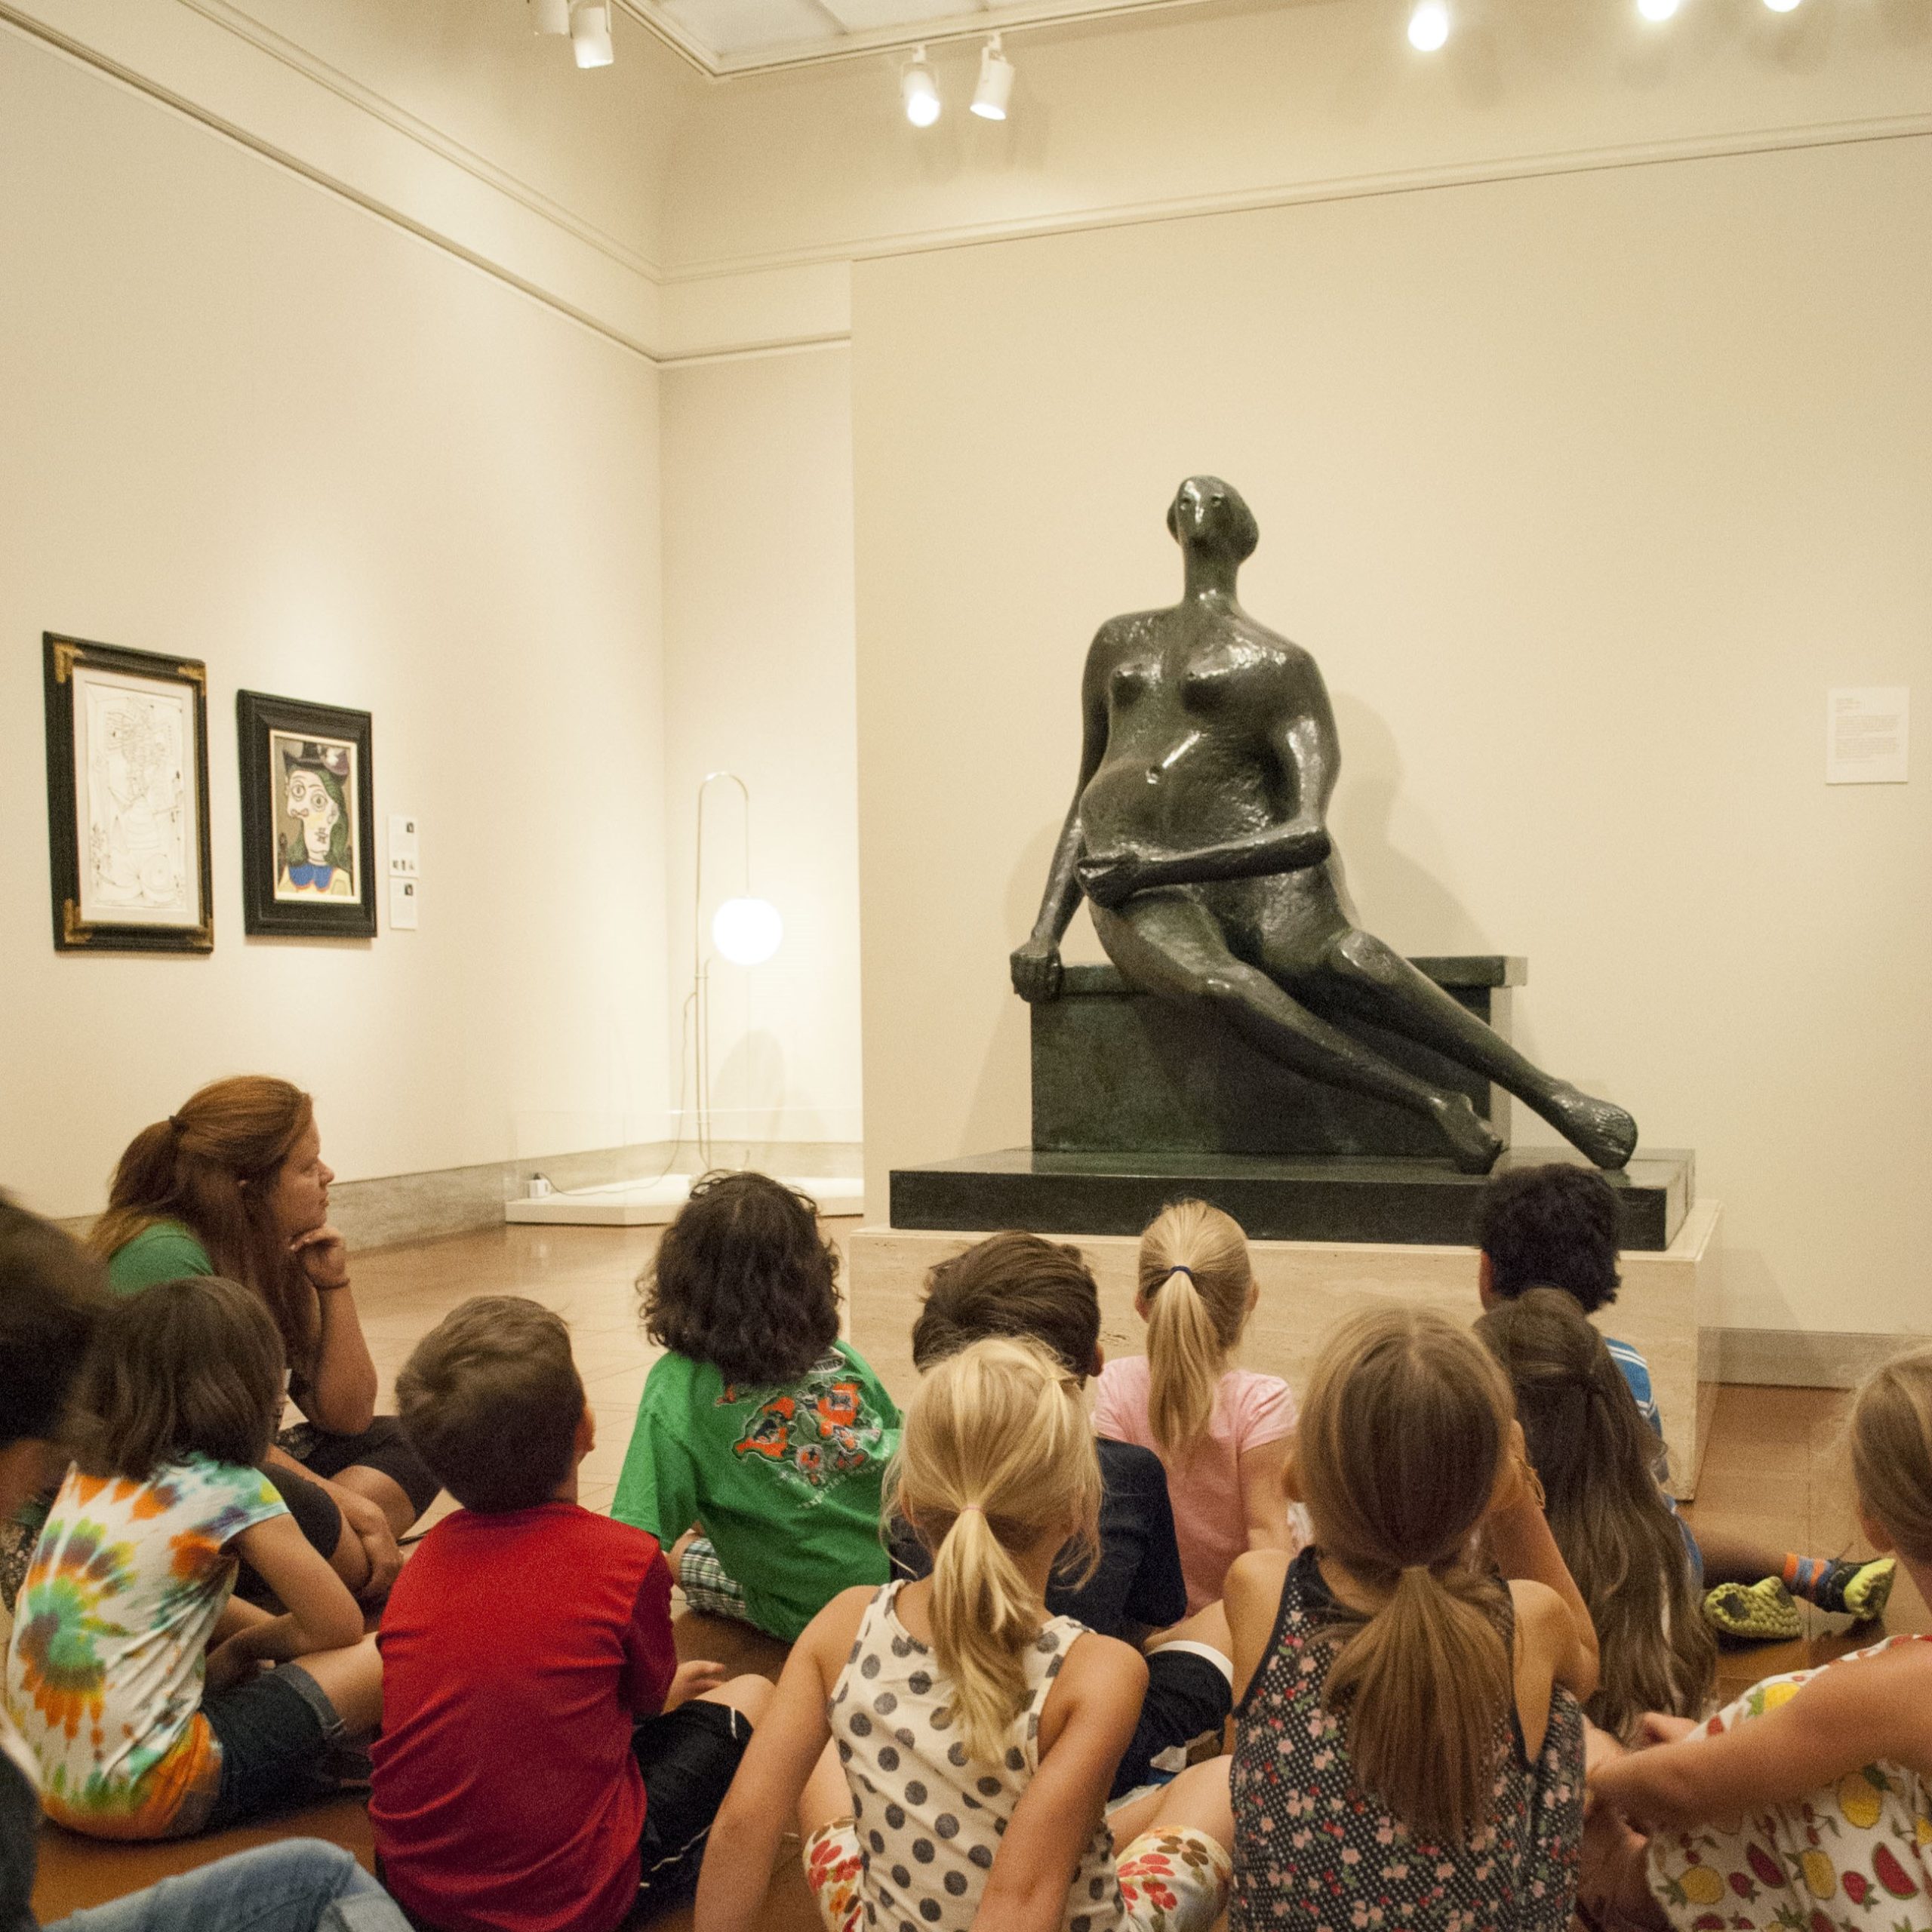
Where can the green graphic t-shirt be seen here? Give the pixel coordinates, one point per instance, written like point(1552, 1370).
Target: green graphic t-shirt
point(162, 1251)
point(785, 1479)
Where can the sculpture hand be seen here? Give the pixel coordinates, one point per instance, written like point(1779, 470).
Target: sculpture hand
point(1036, 970)
point(1108, 878)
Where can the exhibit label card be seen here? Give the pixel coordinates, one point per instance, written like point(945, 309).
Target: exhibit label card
point(402, 905)
point(1867, 734)
point(405, 847)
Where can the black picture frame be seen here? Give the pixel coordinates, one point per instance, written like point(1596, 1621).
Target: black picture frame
point(126, 744)
point(322, 754)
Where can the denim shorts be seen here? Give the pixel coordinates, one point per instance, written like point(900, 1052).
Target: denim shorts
point(276, 1733)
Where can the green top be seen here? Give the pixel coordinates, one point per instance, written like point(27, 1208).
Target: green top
point(162, 1251)
point(785, 1479)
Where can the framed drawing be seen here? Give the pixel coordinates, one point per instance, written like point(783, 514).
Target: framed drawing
point(308, 819)
point(126, 799)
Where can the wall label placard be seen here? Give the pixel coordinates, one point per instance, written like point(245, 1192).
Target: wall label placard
point(1868, 731)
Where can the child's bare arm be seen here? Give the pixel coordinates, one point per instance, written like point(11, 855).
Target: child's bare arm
point(785, 1746)
point(1848, 1716)
point(1089, 1717)
point(1253, 1599)
point(1264, 1502)
point(320, 1614)
point(1520, 1540)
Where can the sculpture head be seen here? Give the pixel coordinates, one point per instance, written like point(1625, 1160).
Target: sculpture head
point(1209, 515)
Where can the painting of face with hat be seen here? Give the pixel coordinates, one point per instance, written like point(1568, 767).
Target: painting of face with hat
point(316, 841)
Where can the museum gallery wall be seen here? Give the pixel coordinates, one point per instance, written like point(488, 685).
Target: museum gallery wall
point(1582, 490)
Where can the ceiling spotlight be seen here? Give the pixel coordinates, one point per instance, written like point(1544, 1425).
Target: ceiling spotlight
point(1781, 6)
point(550, 16)
point(1657, 10)
point(921, 91)
point(1428, 25)
point(995, 87)
point(590, 33)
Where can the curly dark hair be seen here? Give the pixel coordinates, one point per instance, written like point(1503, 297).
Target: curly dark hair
point(1555, 1226)
point(744, 1280)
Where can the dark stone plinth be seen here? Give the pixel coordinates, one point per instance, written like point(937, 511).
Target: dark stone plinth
point(1114, 1070)
point(1329, 1199)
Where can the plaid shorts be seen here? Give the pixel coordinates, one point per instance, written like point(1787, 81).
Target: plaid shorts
point(707, 1587)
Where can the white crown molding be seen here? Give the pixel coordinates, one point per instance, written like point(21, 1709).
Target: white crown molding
point(1289, 194)
point(312, 67)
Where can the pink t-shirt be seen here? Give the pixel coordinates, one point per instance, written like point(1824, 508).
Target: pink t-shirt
point(1210, 1520)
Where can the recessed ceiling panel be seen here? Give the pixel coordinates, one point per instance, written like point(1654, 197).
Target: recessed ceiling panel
point(863, 16)
point(744, 26)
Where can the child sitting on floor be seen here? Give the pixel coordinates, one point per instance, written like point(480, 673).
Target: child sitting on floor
point(1808, 1801)
point(1556, 1227)
point(1409, 1751)
point(51, 1295)
point(759, 1428)
point(1629, 1551)
point(545, 1760)
point(947, 1698)
point(1220, 1432)
point(136, 1732)
point(1020, 1286)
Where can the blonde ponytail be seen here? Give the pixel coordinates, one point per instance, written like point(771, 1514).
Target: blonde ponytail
point(1194, 1284)
point(1400, 1445)
point(996, 1454)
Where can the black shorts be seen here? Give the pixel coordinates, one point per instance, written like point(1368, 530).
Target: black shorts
point(689, 1757)
point(381, 1447)
point(276, 1733)
point(1187, 1693)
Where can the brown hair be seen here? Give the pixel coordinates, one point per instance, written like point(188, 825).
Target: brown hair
point(1891, 1452)
point(1194, 1282)
point(1400, 1445)
point(490, 1399)
point(1015, 1284)
point(1594, 1452)
point(996, 1452)
point(743, 1279)
point(187, 1367)
point(212, 1167)
point(51, 1295)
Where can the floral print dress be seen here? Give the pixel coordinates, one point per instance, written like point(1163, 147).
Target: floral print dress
point(1314, 1852)
point(1853, 1858)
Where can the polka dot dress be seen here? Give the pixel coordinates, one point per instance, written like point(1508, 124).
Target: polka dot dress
point(928, 1818)
point(1314, 1854)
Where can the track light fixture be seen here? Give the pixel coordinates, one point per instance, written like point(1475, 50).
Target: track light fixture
point(1428, 25)
point(1657, 10)
point(590, 33)
point(550, 16)
point(995, 87)
point(919, 91)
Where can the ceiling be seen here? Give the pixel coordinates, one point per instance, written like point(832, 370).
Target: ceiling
point(745, 36)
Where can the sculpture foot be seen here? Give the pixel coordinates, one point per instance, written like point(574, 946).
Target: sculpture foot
point(1473, 1146)
point(1597, 1128)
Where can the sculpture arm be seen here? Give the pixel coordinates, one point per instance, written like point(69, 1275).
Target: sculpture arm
point(1035, 966)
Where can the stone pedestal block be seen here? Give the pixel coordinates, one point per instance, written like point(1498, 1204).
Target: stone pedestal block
point(1666, 1308)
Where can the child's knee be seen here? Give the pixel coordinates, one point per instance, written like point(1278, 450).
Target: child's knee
point(751, 1696)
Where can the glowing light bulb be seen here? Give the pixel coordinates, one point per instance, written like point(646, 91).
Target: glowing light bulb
point(747, 931)
point(1657, 10)
point(920, 90)
point(1781, 6)
point(995, 87)
point(1429, 26)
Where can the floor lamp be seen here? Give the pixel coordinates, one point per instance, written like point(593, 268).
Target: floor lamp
point(745, 931)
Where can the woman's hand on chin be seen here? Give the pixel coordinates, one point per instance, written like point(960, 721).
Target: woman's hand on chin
point(324, 1256)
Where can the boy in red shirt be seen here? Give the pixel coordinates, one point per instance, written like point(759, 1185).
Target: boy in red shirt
point(545, 1763)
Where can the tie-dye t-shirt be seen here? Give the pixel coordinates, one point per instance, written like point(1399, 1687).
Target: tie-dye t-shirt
point(104, 1673)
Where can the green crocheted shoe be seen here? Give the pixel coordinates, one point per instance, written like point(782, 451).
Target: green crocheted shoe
point(1759, 1613)
point(1856, 1589)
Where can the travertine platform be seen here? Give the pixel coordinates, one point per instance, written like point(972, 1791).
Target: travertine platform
point(1666, 1308)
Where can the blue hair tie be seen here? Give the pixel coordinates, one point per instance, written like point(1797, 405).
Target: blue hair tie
point(1179, 1269)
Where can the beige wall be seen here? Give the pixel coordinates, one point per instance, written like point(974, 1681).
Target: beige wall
point(1582, 490)
point(246, 421)
point(759, 680)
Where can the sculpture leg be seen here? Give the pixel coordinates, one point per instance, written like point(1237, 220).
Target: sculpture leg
point(1361, 975)
point(1169, 944)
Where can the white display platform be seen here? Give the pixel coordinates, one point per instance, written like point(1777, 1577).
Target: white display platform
point(632, 1204)
point(1666, 1310)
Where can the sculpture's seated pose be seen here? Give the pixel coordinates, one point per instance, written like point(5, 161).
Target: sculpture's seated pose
point(1207, 758)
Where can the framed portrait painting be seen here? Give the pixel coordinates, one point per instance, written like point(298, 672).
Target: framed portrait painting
point(308, 819)
point(126, 799)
